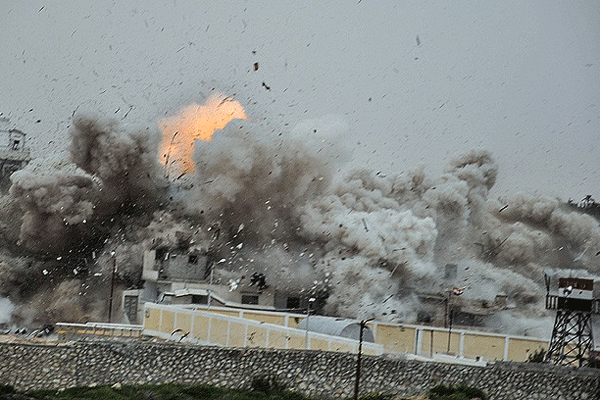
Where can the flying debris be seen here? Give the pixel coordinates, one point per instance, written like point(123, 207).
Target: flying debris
point(457, 291)
point(181, 332)
point(259, 280)
point(254, 203)
point(365, 224)
point(235, 283)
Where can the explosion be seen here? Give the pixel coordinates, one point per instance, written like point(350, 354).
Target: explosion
point(194, 122)
point(279, 204)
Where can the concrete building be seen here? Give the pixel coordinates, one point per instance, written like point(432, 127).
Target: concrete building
point(184, 276)
point(14, 155)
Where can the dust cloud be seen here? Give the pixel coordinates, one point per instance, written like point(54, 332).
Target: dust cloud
point(284, 203)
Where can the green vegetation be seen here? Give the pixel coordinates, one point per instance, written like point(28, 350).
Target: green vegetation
point(460, 392)
point(261, 388)
point(538, 356)
point(377, 396)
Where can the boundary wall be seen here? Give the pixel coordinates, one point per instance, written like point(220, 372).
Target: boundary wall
point(68, 330)
point(419, 340)
point(208, 328)
point(326, 375)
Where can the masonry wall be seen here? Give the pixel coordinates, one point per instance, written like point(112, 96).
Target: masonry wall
point(321, 374)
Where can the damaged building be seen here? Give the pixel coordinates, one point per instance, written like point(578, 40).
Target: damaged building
point(186, 276)
point(448, 306)
point(14, 155)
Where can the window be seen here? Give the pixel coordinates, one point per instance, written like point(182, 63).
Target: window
point(293, 302)
point(249, 299)
point(199, 299)
point(161, 253)
point(130, 305)
point(424, 317)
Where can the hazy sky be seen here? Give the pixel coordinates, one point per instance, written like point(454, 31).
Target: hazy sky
point(415, 82)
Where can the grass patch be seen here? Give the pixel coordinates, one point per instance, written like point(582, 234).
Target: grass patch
point(263, 389)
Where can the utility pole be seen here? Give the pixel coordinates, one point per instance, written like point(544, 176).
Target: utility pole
point(450, 330)
point(310, 301)
point(209, 300)
point(112, 284)
point(363, 323)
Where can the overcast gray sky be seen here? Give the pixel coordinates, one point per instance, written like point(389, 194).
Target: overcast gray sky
point(519, 78)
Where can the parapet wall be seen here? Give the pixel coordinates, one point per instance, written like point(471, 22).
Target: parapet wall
point(316, 373)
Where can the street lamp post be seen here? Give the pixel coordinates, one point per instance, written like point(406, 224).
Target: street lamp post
point(450, 312)
point(363, 323)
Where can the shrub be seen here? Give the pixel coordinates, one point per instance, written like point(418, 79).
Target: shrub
point(538, 356)
point(460, 392)
point(375, 396)
point(267, 384)
point(6, 389)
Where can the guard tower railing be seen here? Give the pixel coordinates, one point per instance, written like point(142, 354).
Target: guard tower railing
point(554, 302)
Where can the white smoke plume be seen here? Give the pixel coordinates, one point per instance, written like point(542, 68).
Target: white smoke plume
point(284, 204)
point(6, 310)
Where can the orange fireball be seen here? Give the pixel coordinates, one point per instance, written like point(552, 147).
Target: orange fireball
point(192, 123)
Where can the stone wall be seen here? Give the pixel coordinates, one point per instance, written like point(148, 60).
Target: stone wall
point(320, 374)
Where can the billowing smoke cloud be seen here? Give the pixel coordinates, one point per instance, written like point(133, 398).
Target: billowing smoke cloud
point(66, 211)
point(6, 310)
point(282, 203)
point(124, 160)
point(58, 199)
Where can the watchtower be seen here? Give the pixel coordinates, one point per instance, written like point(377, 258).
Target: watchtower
point(13, 154)
point(572, 341)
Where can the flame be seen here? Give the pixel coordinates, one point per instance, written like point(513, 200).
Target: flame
point(192, 123)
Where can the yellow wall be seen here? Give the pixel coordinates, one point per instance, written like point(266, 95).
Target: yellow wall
point(168, 321)
point(152, 320)
point(237, 333)
point(200, 331)
point(228, 332)
point(278, 341)
point(395, 338)
point(294, 321)
point(440, 342)
point(278, 319)
point(184, 322)
point(519, 349)
point(257, 337)
point(218, 331)
point(486, 346)
point(319, 344)
point(229, 313)
point(296, 341)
